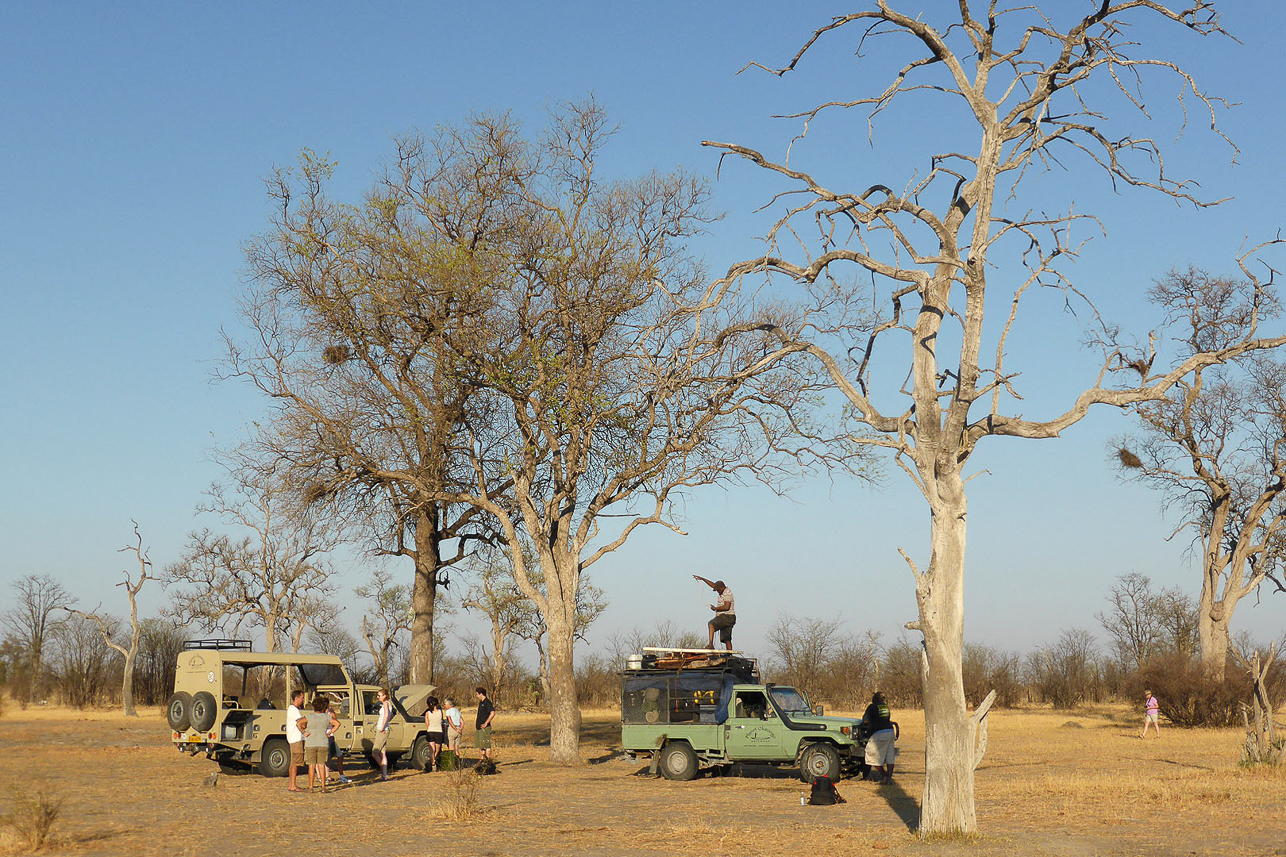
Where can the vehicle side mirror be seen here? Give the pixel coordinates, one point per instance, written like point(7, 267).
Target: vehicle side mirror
point(818, 710)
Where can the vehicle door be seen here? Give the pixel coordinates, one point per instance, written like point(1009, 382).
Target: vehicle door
point(369, 717)
point(348, 736)
point(753, 730)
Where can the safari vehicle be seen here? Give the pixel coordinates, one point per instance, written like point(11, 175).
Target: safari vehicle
point(691, 710)
point(210, 712)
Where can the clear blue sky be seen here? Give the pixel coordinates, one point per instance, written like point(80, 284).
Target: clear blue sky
point(133, 141)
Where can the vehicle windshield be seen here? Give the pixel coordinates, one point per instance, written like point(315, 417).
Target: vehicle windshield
point(315, 674)
point(790, 700)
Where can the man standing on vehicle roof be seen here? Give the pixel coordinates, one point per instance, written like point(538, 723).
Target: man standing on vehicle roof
point(725, 612)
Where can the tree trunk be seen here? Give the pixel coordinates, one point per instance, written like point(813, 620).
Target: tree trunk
point(1213, 629)
point(424, 595)
point(564, 712)
point(127, 682)
point(948, 802)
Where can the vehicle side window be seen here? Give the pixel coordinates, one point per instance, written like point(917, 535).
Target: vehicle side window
point(371, 703)
point(751, 703)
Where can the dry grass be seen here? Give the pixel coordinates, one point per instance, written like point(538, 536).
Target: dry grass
point(1043, 790)
point(34, 811)
point(460, 797)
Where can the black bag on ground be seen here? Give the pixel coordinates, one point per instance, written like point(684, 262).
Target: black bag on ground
point(824, 793)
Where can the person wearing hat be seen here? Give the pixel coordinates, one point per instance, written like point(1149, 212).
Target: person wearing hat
point(1151, 714)
point(881, 747)
point(725, 613)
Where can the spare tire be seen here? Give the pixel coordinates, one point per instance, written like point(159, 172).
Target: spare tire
point(203, 711)
point(178, 711)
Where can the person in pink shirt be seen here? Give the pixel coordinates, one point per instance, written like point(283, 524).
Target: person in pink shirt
point(1151, 714)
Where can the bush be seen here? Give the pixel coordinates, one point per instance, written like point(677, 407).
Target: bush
point(35, 810)
point(460, 799)
point(1188, 695)
point(900, 675)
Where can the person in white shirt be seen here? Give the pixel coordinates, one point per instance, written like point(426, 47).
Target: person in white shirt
point(295, 736)
point(381, 733)
point(725, 613)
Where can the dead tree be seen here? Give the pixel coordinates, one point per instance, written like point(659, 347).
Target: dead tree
point(1262, 745)
point(1004, 93)
point(128, 653)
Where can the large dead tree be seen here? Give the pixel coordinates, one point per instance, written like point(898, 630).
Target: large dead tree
point(1001, 93)
point(32, 621)
point(1216, 448)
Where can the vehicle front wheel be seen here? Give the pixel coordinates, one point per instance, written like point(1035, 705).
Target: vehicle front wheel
point(274, 759)
point(178, 711)
point(678, 761)
point(421, 754)
point(819, 760)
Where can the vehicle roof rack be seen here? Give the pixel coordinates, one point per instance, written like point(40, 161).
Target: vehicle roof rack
point(219, 643)
point(711, 660)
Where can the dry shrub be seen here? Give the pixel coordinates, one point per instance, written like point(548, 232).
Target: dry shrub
point(460, 799)
point(35, 810)
point(1188, 695)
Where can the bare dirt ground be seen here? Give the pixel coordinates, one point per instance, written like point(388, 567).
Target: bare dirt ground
point(1053, 783)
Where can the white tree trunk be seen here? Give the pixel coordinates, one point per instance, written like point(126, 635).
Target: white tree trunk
point(564, 711)
point(948, 802)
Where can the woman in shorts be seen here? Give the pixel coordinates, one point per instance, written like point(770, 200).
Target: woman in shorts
point(433, 720)
point(316, 727)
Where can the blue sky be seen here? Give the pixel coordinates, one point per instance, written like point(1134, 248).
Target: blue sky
point(133, 141)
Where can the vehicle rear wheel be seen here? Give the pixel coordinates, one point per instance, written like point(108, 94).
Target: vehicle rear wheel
point(421, 754)
point(819, 760)
point(678, 761)
point(203, 711)
point(178, 711)
point(274, 759)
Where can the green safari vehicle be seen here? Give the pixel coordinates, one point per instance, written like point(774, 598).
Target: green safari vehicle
point(690, 710)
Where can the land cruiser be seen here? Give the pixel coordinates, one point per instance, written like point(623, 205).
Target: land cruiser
point(695, 709)
point(211, 713)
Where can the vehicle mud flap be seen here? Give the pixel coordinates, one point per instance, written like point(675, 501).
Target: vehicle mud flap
point(653, 769)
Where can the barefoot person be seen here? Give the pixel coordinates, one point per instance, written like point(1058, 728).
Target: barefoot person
point(725, 612)
point(1151, 714)
point(295, 736)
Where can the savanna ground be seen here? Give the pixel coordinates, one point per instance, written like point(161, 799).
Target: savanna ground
point(1052, 783)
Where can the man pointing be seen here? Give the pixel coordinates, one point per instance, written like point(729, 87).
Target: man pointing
point(725, 612)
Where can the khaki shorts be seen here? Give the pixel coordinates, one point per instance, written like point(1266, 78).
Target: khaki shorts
point(1153, 716)
point(315, 755)
point(296, 753)
point(880, 749)
point(453, 740)
point(380, 741)
point(482, 738)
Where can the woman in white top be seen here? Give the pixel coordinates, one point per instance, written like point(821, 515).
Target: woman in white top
point(433, 720)
point(380, 741)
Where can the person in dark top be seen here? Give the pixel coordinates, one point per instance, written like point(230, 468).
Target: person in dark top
point(486, 713)
point(881, 750)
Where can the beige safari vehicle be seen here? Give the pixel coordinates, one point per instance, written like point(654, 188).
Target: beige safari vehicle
point(211, 714)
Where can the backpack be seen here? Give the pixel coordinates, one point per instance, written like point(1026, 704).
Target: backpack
point(824, 793)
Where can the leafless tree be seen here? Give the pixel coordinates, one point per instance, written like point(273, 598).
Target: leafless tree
point(82, 657)
point(267, 578)
point(32, 620)
point(386, 620)
point(1216, 448)
point(1002, 94)
point(1142, 622)
point(129, 652)
point(802, 648)
point(495, 596)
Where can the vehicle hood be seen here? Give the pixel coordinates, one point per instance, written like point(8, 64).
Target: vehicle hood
point(832, 724)
point(408, 696)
